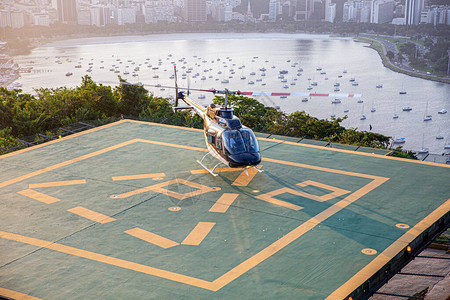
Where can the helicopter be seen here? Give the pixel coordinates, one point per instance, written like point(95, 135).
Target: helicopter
point(231, 143)
point(227, 139)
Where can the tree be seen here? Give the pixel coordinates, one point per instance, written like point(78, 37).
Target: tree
point(390, 55)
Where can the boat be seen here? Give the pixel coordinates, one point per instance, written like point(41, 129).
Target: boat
point(427, 118)
point(363, 117)
point(379, 86)
point(395, 116)
point(399, 141)
point(439, 137)
point(314, 83)
point(225, 81)
point(126, 73)
point(243, 77)
point(407, 108)
point(373, 109)
point(336, 101)
point(442, 111)
point(283, 72)
point(360, 101)
point(354, 83)
point(251, 82)
point(285, 86)
point(305, 99)
point(337, 84)
point(402, 92)
point(337, 89)
point(319, 69)
point(423, 151)
point(346, 110)
point(201, 97)
point(69, 74)
point(283, 97)
point(78, 66)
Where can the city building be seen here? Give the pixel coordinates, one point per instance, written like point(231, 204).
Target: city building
point(331, 13)
point(382, 11)
point(413, 11)
point(17, 19)
point(303, 10)
point(274, 9)
point(157, 11)
point(195, 10)
point(5, 18)
point(84, 16)
point(126, 15)
point(67, 11)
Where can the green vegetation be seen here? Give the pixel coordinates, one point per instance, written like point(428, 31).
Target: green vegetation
point(23, 115)
point(300, 124)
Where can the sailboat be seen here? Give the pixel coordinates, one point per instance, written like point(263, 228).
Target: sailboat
point(423, 150)
point(427, 116)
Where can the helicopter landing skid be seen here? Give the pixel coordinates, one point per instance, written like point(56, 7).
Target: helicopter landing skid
point(204, 167)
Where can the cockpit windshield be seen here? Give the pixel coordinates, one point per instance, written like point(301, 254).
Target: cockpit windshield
point(240, 141)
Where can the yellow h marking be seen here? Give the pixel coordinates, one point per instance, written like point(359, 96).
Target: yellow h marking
point(151, 238)
point(198, 233)
point(223, 203)
point(91, 215)
point(38, 196)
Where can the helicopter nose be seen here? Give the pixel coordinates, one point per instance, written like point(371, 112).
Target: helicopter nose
point(245, 159)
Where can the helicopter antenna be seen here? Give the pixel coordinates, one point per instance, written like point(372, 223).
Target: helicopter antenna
point(189, 84)
point(176, 85)
point(226, 97)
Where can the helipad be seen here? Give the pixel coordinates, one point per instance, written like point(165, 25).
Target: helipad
point(124, 211)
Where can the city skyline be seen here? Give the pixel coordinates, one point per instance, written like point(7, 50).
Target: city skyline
point(17, 14)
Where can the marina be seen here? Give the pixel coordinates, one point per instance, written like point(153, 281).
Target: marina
point(293, 71)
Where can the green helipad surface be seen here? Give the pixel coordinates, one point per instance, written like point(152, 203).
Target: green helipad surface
point(124, 211)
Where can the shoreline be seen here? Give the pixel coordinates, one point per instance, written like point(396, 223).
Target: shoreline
point(388, 64)
point(61, 41)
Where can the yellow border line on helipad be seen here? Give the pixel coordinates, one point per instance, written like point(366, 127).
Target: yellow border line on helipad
point(389, 253)
point(16, 295)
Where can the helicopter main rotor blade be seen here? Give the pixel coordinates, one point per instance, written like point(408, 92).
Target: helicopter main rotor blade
point(270, 94)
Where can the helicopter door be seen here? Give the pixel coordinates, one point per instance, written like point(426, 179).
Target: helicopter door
point(219, 142)
point(211, 136)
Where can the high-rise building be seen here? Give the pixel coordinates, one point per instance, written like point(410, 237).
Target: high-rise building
point(5, 18)
point(67, 11)
point(331, 12)
point(382, 11)
point(413, 11)
point(17, 19)
point(303, 10)
point(195, 10)
point(274, 9)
